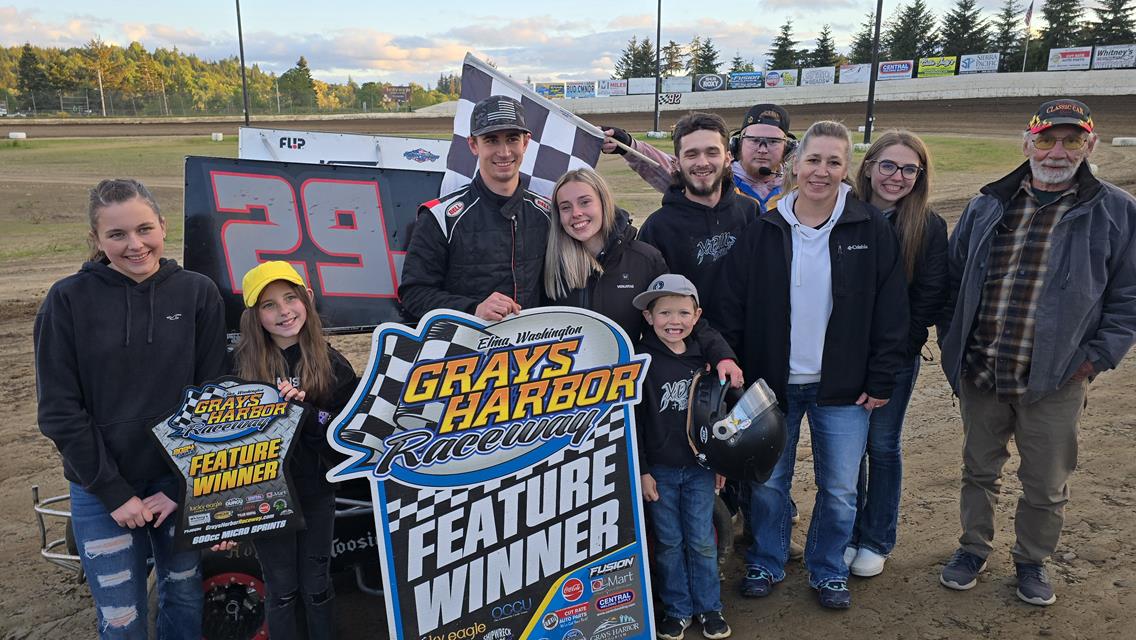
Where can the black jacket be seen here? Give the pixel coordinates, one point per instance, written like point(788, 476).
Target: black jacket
point(629, 266)
point(660, 416)
point(112, 357)
point(868, 328)
point(927, 291)
point(309, 455)
point(465, 247)
point(695, 239)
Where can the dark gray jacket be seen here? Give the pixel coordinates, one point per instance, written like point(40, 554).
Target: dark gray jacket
point(1087, 306)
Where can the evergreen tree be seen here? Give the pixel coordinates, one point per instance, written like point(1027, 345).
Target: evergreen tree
point(739, 65)
point(706, 60)
point(1115, 23)
point(1063, 20)
point(911, 33)
point(31, 80)
point(645, 60)
point(824, 54)
point(783, 53)
point(297, 84)
point(964, 30)
point(1008, 36)
point(861, 50)
point(625, 66)
point(693, 51)
point(672, 62)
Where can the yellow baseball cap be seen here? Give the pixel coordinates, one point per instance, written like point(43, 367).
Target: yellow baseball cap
point(264, 274)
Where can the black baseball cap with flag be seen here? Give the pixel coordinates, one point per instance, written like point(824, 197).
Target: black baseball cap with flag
point(769, 114)
point(497, 113)
point(1061, 111)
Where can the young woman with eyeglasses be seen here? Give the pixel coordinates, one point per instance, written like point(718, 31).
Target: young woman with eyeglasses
point(895, 177)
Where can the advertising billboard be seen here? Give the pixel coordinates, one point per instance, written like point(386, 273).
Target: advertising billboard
point(781, 78)
point(937, 66)
point(896, 70)
point(855, 73)
point(979, 63)
point(1071, 59)
point(818, 75)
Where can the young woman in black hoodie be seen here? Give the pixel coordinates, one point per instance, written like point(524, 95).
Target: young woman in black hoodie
point(595, 262)
point(282, 343)
point(115, 345)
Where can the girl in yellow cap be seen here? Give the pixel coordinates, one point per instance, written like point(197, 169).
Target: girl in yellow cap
point(282, 342)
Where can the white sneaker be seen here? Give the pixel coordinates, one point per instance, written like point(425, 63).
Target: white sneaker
point(867, 563)
point(850, 555)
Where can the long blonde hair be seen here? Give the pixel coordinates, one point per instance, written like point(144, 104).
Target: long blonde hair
point(258, 358)
point(567, 263)
point(911, 211)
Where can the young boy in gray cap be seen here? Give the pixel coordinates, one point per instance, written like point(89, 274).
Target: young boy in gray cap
point(679, 493)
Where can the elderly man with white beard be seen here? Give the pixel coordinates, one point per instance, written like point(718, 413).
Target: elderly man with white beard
point(1043, 299)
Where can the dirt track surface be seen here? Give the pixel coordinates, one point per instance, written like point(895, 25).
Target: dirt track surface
point(1094, 569)
point(1115, 116)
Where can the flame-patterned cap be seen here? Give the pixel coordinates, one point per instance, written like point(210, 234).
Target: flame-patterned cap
point(1061, 111)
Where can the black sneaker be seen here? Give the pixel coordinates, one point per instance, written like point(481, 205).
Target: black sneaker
point(1033, 584)
point(757, 583)
point(834, 594)
point(714, 625)
point(961, 572)
point(671, 628)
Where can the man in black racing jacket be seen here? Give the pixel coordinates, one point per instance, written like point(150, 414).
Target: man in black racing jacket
point(480, 249)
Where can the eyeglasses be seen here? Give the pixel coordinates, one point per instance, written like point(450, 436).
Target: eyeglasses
point(761, 141)
point(1071, 143)
point(888, 168)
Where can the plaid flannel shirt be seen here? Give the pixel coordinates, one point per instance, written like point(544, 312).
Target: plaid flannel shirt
point(1000, 348)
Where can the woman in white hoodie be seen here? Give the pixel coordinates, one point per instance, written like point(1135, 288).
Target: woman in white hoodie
point(819, 310)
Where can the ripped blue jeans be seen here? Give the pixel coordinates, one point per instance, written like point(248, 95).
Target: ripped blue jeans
point(115, 561)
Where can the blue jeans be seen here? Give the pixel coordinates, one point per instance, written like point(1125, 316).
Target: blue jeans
point(881, 470)
point(839, 434)
point(115, 560)
point(686, 556)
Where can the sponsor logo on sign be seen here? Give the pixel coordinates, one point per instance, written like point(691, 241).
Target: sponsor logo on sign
point(613, 581)
point(420, 155)
point(616, 600)
point(455, 208)
point(616, 627)
point(571, 615)
point(498, 634)
point(574, 634)
point(572, 590)
point(279, 505)
point(710, 82)
point(234, 502)
point(199, 519)
point(511, 609)
point(223, 515)
point(256, 497)
point(264, 508)
point(550, 621)
point(615, 565)
point(287, 142)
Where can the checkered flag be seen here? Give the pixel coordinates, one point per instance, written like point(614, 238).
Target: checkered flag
point(381, 413)
point(560, 139)
point(187, 417)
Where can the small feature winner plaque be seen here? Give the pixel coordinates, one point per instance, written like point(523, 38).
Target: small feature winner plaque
point(229, 440)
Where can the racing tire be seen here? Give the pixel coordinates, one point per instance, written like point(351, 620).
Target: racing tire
point(234, 599)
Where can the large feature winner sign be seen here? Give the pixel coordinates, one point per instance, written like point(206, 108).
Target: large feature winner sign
point(504, 476)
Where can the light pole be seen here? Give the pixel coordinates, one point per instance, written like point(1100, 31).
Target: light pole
point(244, 80)
point(875, 71)
point(658, 60)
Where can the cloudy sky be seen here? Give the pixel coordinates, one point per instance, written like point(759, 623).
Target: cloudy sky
point(404, 41)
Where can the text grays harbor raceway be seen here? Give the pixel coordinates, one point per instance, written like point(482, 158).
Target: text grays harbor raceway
point(524, 528)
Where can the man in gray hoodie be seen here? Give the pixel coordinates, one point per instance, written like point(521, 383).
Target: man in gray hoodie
point(1043, 298)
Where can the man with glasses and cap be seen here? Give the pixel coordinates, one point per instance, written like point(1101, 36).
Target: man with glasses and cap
point(758, 150)
point(490, 264)
point(1043, 299)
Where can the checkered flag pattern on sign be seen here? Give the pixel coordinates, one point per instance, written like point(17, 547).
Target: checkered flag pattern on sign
point(424, 501)
point(381, 413)
point(194, 396)
point(560, 139)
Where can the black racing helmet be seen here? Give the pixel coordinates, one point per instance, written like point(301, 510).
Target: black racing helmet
point(740, 436)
